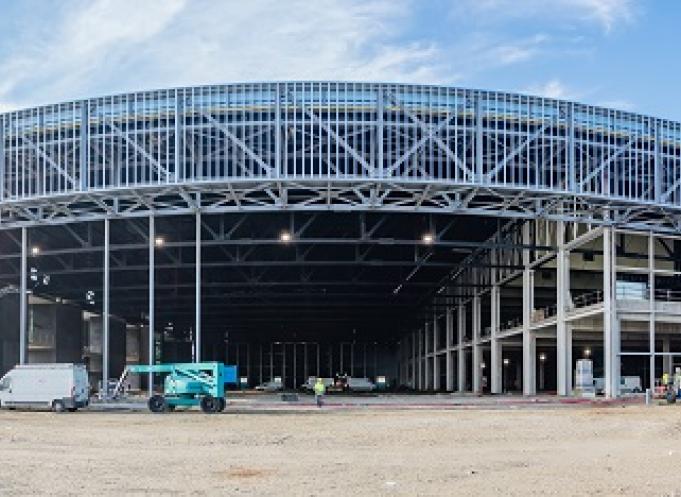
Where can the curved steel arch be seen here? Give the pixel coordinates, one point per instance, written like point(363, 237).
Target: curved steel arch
point(338, 146)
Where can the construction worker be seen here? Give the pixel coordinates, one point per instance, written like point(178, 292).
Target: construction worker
point(319, 391)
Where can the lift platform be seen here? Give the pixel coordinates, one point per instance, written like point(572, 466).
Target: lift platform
point(187, 384)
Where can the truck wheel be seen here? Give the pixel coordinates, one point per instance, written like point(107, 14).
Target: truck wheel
point(58, 406)
point(222, 404)
point(209, 404)
point(73, 409)
point(157, 403)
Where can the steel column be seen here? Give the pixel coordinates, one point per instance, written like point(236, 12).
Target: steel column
point(436, 363)
point(495, 347)
point(610, 325)
point(562, 289)
point(529, 337)
point(461, 352)
point(477, 348)
point(651, 307)
point(105, 312)
point(449, 360)
point(152, 297)
point(23, 298)
point(197, 289)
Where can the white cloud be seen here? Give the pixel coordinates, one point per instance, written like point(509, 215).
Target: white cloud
point(553, 88)
point(618, 104)
point(105, 46)
point(606, 13)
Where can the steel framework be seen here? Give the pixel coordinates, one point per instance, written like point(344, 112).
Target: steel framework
point(338, 146)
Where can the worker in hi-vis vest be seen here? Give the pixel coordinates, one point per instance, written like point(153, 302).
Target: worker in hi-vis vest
point(319, 391)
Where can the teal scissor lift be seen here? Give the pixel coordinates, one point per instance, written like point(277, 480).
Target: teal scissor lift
point(187, 384)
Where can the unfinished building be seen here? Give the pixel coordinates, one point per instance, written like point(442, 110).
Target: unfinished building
point(441, 238)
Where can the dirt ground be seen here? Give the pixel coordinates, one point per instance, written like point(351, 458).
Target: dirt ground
point(550, 451)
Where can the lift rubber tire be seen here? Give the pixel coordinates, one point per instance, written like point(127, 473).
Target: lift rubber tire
point(58, 406)
point(157, 404)
point(72, 409)
point(209, 404)
point(222, 404)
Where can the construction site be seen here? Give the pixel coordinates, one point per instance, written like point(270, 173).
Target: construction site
point(422, 251)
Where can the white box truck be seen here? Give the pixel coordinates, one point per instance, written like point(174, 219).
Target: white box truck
point(58, 387)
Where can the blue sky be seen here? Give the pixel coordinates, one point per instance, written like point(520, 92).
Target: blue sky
point(619, 53)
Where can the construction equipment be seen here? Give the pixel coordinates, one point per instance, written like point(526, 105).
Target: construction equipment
point(187, 384)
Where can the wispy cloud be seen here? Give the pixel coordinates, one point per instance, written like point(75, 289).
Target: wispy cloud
point(107, 46)
point(608, 14)
point(553, 88)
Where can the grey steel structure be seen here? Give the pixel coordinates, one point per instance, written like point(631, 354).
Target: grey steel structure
point(342, 147)
point(339, 146)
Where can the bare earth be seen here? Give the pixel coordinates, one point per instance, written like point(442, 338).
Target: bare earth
point(555, 451)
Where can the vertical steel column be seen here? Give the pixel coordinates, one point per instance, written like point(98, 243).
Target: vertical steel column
point(379, 133)
point(283, 363)
point(319, 372)
point(478, 139)
point(495, 344)
point(306, 369)
point(436, 363)
point(295, 366)
point(477, 348)
point(84, 157)
point(651, 307)
point(562, 289)
point(277, 133)
point(667, 358)
point(2, 158)
point(152, 296)
point(413, 360)
point(197, 288)
point(657, 168)
point(571, 169)
point(496, 350)
point(529, 337)
point(461, 352)
point(177, 139)
point(271, 361)
point(23, 298)
point(426, 361)
point(420, 360)
point(449, 360)
point(105, 313)
point(570, 362)
point(610, 325)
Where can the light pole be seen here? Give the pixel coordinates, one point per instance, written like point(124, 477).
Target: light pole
point(542, 360)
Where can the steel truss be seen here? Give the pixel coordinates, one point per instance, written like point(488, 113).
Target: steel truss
point(338, 147)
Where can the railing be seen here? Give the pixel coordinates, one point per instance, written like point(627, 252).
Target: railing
point(643, 293)
point(587, 299)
